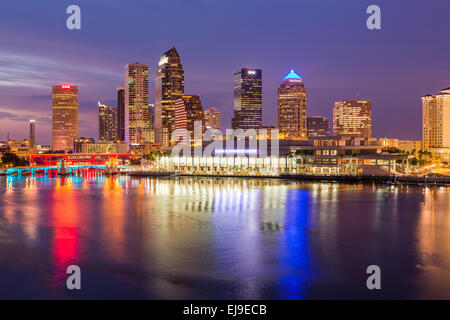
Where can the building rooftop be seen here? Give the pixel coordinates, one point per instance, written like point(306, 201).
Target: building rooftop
point(292, 75)
point(172, 52)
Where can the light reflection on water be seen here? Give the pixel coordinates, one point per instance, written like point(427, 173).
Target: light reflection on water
point(208, 238)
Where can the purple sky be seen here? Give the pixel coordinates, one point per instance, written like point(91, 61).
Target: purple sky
point(325, 41)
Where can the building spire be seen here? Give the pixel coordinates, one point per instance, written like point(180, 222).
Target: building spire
point(292, 75)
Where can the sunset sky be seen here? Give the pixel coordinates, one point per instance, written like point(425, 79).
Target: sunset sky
point(325, 41)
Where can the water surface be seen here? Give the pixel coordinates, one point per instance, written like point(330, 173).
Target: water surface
point(221, 238)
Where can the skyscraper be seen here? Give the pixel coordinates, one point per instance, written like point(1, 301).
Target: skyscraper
point(32, 138)
point(436, 120)
point(137, 123)
point(121, 113)
point(212, 118)
point(64, 116)
point(318, 127)
point(107, 123)
point(151, 114)
point(292, 108)
point(188, 109)
point(352, 118)
point(169, 88)
point(247, 99)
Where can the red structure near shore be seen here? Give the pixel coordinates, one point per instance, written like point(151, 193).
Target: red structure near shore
point(72, 159)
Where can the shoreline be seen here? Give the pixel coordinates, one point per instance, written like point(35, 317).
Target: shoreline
point(388, 180)
point(409, 180)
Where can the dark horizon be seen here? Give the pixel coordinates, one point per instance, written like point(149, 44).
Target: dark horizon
point(327, 44)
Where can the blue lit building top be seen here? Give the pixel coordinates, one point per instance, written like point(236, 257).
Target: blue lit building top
point(292, 75)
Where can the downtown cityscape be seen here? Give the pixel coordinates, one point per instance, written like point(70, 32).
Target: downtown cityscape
point(138, 132)
point(191, 150)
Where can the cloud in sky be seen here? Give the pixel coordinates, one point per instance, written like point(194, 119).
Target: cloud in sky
point(30, 71)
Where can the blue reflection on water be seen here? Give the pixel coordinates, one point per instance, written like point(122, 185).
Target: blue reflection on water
point(296, 258)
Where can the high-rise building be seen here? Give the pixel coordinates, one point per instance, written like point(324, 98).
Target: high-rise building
point(32, 138)
point(436, 120)
point(107, 123)
point(247, 99)
point(169, 83)
point(318, 127)
point(121, 113)
point(292, 108)
point(188, 109)
point(352, 118)
point(137, 123)
point(212, 118)
point(151, 114)
point(64, 116)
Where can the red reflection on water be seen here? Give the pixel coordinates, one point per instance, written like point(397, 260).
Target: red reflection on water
point(66, 238)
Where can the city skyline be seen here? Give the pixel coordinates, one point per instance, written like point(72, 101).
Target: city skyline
point(372, 65)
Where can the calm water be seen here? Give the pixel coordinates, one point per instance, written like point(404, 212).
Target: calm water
point(195, 238)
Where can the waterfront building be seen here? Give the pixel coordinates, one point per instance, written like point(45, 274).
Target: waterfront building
point(80, 142)
point(247, 99)
point(188, 109)
point(32, 137)
point(436, 120)
point(212, 118)
point(137, 119)
point(292, 108)
point(121, 113)
point(64, 116)
point(107, 123)
point(169, 83)
point(352, 118)
point(144, 149)
point(326, 157)
point(19, 147)
point(318, 156)
point(318, 127)
point(104, 148)
point(410, 146)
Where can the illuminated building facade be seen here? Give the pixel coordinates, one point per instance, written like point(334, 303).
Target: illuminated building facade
point(320, 156)
point(318, 127)
point(151, 114)
point(64, 116)
point(410, 146)
point(292, 108)
point(436, 120)
point(212, 118)
point(32, 137)
point(104, 148)
point(137, 119)
point(169, 88)
point(188, 109)
point(107, 123)
point(247, 99)
point(352, 118)
point(78, 144)
point(121, 113)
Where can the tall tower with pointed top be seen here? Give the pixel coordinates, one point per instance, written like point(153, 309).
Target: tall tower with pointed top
point(169, 83)
point(292, 108)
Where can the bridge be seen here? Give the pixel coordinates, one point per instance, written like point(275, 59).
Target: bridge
point(47, 169)
point(77, 159)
